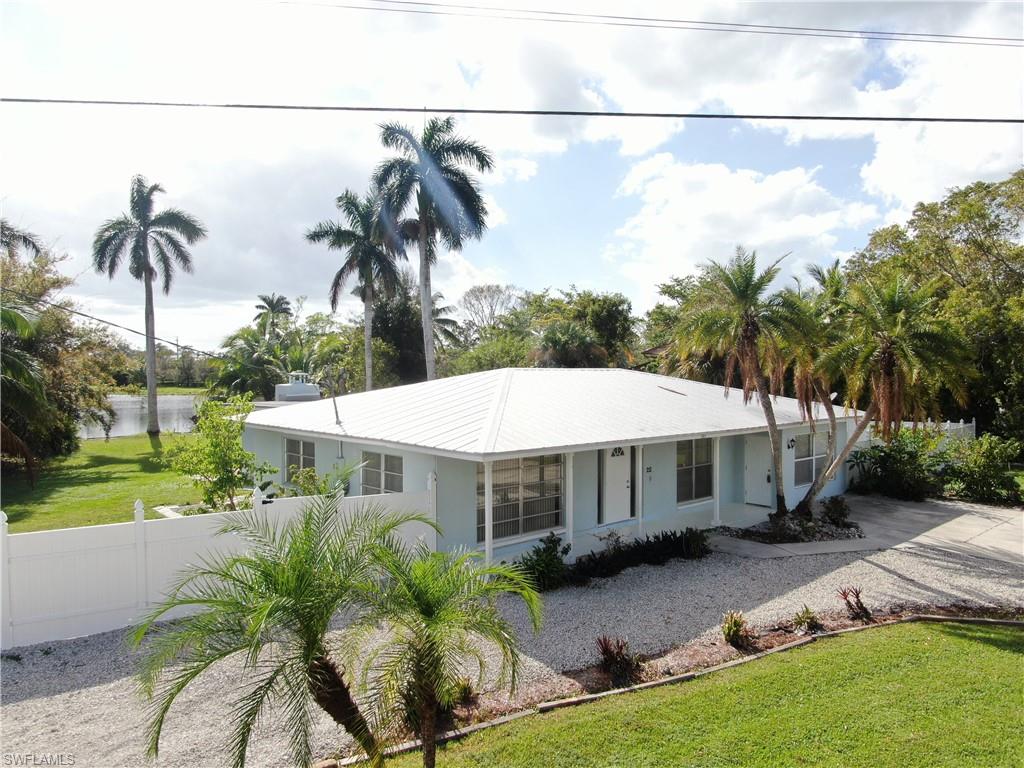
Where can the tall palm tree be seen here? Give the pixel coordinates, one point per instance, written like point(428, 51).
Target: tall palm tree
point(269, 309)
point(371, 256)
point(732, 315)
point(426, 621)
point(271, 610)
point(448, 203)
point(153, 243)
point(13, 239)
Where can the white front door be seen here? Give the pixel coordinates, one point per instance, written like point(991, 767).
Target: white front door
point(757, 475)
point(615, 494)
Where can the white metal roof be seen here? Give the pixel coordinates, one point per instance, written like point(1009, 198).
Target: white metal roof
point(515, 411)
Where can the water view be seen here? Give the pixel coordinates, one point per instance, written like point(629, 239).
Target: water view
point(176, 412)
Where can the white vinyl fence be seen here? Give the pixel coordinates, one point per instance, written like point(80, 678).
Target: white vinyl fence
point(78, 581)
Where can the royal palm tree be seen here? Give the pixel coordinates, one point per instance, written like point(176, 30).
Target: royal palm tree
point(13, 239)
point(732, 315)
point(153, 244)
point(371, 257)
point(270, 610)
point(425, 622)
point(448, 204)
point(269, 309)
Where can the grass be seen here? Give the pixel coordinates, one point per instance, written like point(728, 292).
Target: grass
point(905, 695)
point(97, 484)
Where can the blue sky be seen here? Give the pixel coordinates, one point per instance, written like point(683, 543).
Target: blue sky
point(607, 204)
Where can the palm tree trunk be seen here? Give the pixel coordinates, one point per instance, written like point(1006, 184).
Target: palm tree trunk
point(806, 506)
point(428, 732)
point(774, 440)
point(333, 696)
point(368, 334)
point(153, 420)
point(426, 296)
point(869, 416)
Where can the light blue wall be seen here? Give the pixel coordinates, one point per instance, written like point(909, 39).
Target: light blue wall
point(795, 493)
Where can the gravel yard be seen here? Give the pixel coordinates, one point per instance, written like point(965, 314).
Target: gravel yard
point(78, 697)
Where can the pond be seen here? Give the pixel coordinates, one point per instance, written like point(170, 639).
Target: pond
point(176, 412)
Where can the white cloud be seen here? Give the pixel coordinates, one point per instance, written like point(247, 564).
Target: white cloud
point(690, 213)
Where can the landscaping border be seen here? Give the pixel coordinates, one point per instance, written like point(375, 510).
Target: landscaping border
point(549, 706)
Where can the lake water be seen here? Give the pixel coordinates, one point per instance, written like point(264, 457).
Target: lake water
point(176, 412)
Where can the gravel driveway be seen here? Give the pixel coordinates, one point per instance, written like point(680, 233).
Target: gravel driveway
point(78, 697)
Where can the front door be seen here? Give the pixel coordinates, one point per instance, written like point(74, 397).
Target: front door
point(757, 475)
point(615, 497)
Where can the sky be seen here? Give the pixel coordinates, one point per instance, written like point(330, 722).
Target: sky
point(607, 204)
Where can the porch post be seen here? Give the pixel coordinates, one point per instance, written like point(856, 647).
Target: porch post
point(639, 490)
point(570, 460)
point(488, 511)
point(717, 520)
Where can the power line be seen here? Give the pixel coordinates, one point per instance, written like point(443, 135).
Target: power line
point(522, 112)
point(559, 17)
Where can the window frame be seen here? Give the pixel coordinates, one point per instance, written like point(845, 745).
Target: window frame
point(384, 473)
point(692, 467)
point(812, 458)
point(300, 455)
point(521, 499)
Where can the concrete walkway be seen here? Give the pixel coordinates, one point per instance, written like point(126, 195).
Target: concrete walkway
point(959, 528)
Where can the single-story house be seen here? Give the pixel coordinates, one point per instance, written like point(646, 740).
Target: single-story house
point(515, 453)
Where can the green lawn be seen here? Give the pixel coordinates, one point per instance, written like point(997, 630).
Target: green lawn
point(906, 695)
point(98, 484)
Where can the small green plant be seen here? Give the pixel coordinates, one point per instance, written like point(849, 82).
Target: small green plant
point(806, 620)
point(855, 607)
point(735, 630)
point(545, 563)
point(835, 511)
point(622, 665)
point(10, 656)
point(306, 482)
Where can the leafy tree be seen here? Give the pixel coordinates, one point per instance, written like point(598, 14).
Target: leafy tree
point(610, 317)
point(733, 315)
point(565, 344)
point(271, 609)
point(371, 256)
point(13, 240)
point(213, 455)
point(434, 609)
point(496, 349)
point(428, 172)
point(153, 243)
point(484, 304)
point(269, 309)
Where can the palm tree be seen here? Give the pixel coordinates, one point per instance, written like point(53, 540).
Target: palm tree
point(731, 315)
point(447, 331)
point(371, 256)
point(426, 621)
point(21, 380)
point(447, 198)
point(13, 240)
point(151, 242)
point(250, 362)
point(269, 309)
point(895, 354)
point(565, 344)
point(271, 609)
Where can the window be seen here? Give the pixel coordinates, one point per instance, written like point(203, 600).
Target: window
point(810, 457)
point(694, 470)
point(298, 454)
point(527, 496)
point(378, 468)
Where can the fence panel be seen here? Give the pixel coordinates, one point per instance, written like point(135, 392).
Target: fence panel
point(78, 581)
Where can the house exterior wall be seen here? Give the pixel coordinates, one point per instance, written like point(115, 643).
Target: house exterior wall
point(456, 487)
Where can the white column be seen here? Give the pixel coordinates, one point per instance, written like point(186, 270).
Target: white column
point(488, 511)
point(431, 534)
point(569, 499)
point(141, 591)
point(7, 628)
point(717, 520)
point(639, 490)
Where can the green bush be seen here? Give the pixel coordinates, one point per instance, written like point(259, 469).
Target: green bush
point(904, 468)
point(545, 563)
point(735, 629)
point(618, 555)
point(978, 470)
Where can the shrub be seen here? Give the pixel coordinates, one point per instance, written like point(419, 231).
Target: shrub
point(306, 482)
point(904, 468)
point(618, 555)
point(805, 620)
point(545, 563)
point(735, 630)
point(977, 470)
point(854, 605)
point(835, 511)
point(618, 660)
